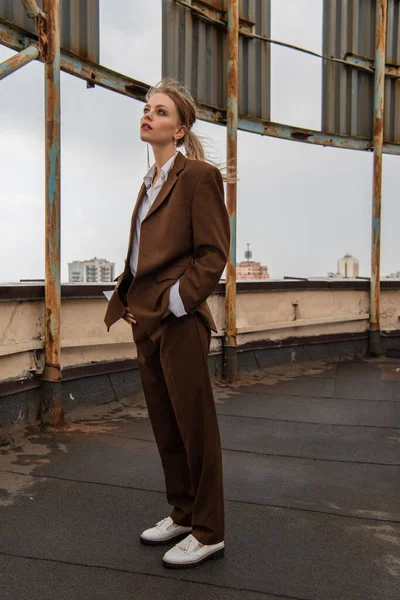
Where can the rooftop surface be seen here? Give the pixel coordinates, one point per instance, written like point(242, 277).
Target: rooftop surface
point(312, 486)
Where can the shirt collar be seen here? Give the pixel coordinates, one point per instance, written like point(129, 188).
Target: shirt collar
point(148, 178)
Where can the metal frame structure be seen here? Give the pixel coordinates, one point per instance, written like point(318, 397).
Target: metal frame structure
point(230, 350)
point(48, 49)
point(349, 35)
point(222, 13)
point(49, 30)
point(379, 104)
point(45, 46)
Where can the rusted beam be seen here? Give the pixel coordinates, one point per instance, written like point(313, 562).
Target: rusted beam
point(12, 64)
point(298, 134)
point(230, 345)
point(15, 38)
point(366, 64)
point(379, 110)
point(49, 33)
point(32, 9)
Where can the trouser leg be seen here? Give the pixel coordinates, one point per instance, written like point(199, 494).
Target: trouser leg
point(184, 346)
point(172, 451)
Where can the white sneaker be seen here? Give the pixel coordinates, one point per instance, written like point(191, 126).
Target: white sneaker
point(165, 531)
point(190, 553)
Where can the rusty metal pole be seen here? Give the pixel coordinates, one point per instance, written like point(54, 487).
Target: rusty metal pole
point(230, 342)
point(12, 64)
point(379, 104)
point(49, 30)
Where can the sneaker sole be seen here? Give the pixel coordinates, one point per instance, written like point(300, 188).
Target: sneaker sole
point(214, 556)
point(180, 536)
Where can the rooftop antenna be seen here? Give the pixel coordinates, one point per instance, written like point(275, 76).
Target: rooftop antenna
point(248, 254)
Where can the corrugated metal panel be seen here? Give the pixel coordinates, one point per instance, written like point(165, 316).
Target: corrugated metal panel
point(348, 93)
point(195, 53)
point(80, 24)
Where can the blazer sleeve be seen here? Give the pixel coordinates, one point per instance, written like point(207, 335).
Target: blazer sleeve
point(211, 238)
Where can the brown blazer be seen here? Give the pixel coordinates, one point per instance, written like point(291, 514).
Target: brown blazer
point(185, 235)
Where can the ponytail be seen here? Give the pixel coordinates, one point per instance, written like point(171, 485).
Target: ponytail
point(193, 147)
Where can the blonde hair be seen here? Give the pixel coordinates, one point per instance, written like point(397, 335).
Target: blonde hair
point(193, 143)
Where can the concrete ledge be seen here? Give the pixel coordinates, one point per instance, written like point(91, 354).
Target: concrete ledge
point(35, 290)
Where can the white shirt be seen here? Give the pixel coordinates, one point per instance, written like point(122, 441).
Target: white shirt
point(152, 191)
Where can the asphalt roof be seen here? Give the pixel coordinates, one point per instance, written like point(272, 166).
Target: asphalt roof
point(312, 487)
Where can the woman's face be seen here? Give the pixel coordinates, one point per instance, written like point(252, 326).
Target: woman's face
point(160, 124)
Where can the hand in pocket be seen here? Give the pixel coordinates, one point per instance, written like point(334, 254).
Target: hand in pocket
point(128, 317)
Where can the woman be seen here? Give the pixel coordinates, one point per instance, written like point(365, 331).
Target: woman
point(178, 248)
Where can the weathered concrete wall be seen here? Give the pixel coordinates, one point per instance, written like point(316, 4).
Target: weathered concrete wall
point(21, 327)
point(286, 314)
point(390, 310)
point(261, 315)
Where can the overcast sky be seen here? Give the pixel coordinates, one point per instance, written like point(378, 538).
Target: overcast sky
point(301, 207)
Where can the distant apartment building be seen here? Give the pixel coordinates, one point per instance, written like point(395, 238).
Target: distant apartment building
point(249, 269)
point(348, 266)
point(96, 270)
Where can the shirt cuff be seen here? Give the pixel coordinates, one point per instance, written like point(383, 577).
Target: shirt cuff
point(175, 301)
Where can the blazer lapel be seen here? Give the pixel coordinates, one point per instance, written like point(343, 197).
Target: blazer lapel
point(163, 193)
point(172, 178)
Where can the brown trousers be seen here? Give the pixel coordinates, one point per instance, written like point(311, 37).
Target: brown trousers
point(174, 372)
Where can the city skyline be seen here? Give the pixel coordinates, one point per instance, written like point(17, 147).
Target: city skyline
point(248, 256)
point(103, 263)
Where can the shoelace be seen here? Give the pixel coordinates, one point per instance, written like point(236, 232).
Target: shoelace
point(160, 523)
point(188, 544)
